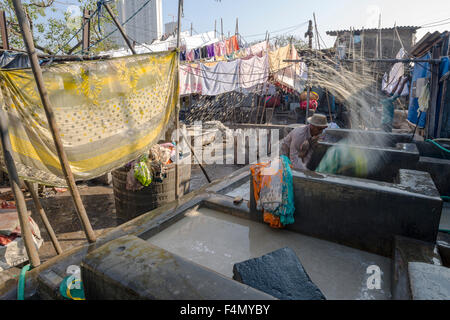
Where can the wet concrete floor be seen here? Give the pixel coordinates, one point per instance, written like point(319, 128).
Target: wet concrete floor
point(218, 241)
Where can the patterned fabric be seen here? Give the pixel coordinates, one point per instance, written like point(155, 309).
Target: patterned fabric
point(108, 112)
point(274, 192)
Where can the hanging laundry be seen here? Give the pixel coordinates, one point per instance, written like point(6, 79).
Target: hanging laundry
point(204, 53)
point(223, 77)
point(107, 111)
point(253, 71)
point(210, 49)
point(397, 71)
point(289, 74)
point(182, 55)
point(234, 43)
point(197, 54)
point(258, 49)
point(228, 47)
point(190, 55)
point(190, 82)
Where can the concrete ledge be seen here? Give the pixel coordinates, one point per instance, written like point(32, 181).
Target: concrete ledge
point(130, 268)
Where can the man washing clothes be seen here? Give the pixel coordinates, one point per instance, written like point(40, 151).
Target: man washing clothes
point(298, 145)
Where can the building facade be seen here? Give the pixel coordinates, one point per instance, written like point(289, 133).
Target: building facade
point(145, 27)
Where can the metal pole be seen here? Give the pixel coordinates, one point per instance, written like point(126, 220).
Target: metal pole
point(177, 110)
point(44, 218)
point(221, 28)
point(29, 43)
point(22, 213)
point(119, 27)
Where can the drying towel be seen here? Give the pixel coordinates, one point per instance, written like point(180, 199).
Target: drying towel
point(223, 77)
point(254, 71)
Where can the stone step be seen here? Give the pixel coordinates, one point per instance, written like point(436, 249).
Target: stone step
point(429, 282)
point(408, 250)
point(280, 274)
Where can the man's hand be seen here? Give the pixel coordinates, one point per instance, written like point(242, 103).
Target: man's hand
point(304, 150)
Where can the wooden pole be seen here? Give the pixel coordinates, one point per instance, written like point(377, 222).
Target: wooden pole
point(116, 22)
point(4, 31)
point(221, 28)
point(29, 43)
point(44, 218)
point(86, 31)
point(22, 211)
point(215, 28)
point(177, 112)
point(192, 27)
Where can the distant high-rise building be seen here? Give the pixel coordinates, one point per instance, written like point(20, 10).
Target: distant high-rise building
point(145, 27)
point(170, 27)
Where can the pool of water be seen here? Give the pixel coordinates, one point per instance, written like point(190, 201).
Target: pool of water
point(217, 241)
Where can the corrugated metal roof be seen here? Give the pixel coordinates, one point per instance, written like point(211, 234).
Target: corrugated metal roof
point(335, 32)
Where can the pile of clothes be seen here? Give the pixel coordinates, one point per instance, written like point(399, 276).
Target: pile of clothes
point(274, 192)
point(151, 167)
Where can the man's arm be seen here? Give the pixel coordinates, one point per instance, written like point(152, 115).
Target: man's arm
point(294, 150)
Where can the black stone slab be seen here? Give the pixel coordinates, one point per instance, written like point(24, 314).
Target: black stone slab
point(130, 268)
point(279, 274)
point(409, 250)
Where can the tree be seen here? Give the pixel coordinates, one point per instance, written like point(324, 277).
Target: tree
point(52, 31)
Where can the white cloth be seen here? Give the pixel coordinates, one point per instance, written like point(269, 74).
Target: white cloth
point(190, 81)
point(258, 49)
point(397, 71)
point(221, 78)
point(254, 71)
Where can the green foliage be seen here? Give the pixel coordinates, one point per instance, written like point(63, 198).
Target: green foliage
point(53, 30)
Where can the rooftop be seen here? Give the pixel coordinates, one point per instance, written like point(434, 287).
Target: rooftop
point(358, 31)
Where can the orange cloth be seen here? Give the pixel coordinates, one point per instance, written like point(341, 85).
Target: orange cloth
point(258, 182)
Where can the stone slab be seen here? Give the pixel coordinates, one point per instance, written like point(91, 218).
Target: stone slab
point(429, 282)
point(280, 274)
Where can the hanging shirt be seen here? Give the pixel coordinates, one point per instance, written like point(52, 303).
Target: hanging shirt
point(196, 54)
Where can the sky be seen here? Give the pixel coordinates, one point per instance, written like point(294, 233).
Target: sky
point(290, 16)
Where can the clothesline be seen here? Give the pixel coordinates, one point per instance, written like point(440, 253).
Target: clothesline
point(266, 66)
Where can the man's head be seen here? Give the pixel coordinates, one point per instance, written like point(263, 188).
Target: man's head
point(318, 123)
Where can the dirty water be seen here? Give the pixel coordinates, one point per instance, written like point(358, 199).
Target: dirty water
point(217, 241)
